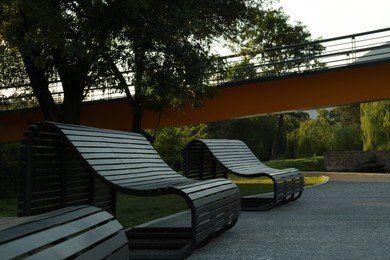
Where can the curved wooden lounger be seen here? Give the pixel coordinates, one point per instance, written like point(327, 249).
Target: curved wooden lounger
point(82, 232)
point(65, 165)
point(214, 158)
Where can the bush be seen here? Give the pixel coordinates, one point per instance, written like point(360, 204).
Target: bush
point(9, 169)
point(169, 142)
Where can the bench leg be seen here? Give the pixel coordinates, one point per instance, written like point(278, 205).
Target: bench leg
point(257, 204)
point(167, 243)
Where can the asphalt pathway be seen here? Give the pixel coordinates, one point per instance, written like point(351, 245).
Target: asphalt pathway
point(346, 218)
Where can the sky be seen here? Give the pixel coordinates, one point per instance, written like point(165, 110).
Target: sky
point(333, 18)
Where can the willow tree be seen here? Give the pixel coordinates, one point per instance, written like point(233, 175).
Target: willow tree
point(313, 137)
point(375, 125)
point(163, 44)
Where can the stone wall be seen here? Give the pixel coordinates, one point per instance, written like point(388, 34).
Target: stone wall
point(358, 161)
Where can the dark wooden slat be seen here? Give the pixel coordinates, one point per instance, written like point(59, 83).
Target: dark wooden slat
point(74, 245)
point(108, 248)
point(210, 158)
point(27, 225)
point(70, 165)
point(67, 232)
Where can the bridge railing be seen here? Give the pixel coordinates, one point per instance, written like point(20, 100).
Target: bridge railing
point(308, 56)
point(279, 61)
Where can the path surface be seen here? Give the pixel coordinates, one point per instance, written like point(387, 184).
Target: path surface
point(346, 218)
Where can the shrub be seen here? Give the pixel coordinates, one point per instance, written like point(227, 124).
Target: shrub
point(169, 142)
point(9, 169)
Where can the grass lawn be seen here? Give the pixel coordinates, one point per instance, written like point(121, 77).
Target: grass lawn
point(263, 184)
point(137, 210)
point(304, 164)
point(7, 207)
point(133, 210)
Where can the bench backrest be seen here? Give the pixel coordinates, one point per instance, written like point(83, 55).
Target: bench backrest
point(82, 232)
point(54, 176)
point(210, 158)
point(59, 163)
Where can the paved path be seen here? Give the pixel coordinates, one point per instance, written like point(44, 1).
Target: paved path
point(346, 218)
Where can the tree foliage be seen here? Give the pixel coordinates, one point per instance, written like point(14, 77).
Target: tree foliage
point(348, 115)
point(12, 73)
point(261, 40)
point(375, 125)
point(272, 29)
point(328, 132)
point(57, 39)
point(345, 138)
point(288, 123)
point(311, 138)
point(9, 169)
point(256, 132)
point(86, 44)
point(169, 142)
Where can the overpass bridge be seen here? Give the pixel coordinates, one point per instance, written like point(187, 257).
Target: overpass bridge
point(350, 69)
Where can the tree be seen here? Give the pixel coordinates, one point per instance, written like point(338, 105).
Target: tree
point(345, 138)
point(326, 133)
point(270, 30)
point(12, 73)
point(169, 142)
point(242, 70)
point(256, 132)
point(287, 123)
point(346, 128)
point(164, 44)
point(346, 115)
point(313, 137)
point(375, 120)
point(56, 39)
point(9, 168)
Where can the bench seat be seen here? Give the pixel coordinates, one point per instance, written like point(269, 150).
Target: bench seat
point(213, 158)
point(67, 165)
point(82, 232)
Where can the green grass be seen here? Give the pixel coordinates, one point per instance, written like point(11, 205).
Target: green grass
point(137, 210)
point(7, 207)
point(303, 164)
point(252, 186)
point(133, 210)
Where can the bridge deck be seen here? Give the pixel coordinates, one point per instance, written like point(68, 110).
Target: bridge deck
point(357, 83)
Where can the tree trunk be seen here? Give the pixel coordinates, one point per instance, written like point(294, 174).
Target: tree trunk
point(277, 137)
point(71, 106)
point(38, 78)
point(139, 86)
point(136, 114)
point(137, 118)
point(40, 85)
point(73, 79)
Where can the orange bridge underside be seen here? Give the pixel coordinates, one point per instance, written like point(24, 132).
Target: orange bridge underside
point(315, 90)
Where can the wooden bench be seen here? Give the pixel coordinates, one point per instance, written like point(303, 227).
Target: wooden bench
point(83, 232)
point(213, 158)
point(66, 165)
